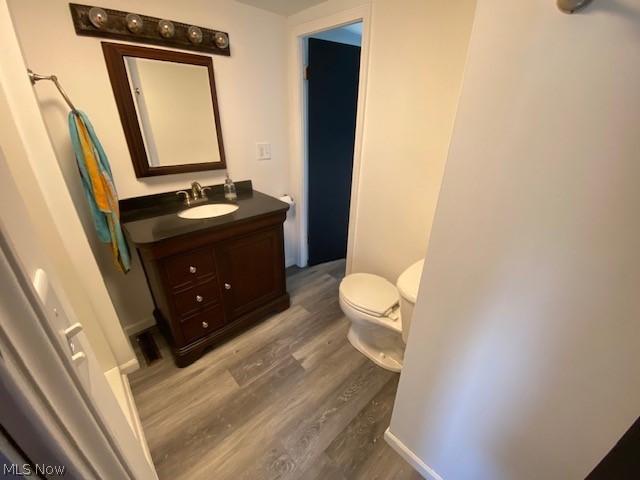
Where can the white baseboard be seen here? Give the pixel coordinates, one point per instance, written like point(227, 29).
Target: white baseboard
point(137, 424)
point(139, 326)
point(410, 457)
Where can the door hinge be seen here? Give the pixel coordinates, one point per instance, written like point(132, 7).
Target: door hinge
point(306, 72)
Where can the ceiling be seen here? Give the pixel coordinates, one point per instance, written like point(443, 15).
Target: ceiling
point(282, 7)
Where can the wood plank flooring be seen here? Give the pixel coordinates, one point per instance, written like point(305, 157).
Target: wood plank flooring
point(289, 399)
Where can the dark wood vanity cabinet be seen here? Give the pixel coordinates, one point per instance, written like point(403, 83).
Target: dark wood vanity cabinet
point(252, 268)
point(209, 284)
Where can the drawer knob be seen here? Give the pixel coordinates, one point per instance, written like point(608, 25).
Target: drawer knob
point(227, 286)
point(199, 298)
point(205, 325)
point(192, 269)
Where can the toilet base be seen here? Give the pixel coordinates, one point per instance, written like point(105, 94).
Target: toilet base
point(379, 358)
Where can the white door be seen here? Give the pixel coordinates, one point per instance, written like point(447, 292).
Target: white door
point(100, 426)
point(43, 348)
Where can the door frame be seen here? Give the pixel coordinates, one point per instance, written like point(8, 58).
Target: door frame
point(298, 114)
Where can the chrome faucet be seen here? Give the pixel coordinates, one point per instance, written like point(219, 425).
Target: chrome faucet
point(198, 194)
point(196, 190)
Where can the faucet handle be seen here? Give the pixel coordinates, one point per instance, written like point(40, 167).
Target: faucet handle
point(187, 200)
point(204, 191)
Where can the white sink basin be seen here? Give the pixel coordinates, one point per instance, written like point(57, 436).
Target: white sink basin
point(208, 211)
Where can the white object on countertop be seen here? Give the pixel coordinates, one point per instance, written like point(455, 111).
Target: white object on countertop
point(287, 199)
point(230, 189)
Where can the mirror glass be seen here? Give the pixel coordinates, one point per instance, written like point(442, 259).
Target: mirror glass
point(174, 106)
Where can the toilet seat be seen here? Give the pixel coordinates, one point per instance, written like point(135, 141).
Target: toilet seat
point(390, 321)
point(369, 294)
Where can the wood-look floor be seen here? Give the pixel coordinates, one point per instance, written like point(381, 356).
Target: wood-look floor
point(288, 399)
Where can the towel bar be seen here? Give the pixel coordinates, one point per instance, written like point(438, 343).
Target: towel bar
point(36, 77)
point(570, 6)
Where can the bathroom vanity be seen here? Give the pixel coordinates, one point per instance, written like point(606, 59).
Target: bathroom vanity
point(209, 277)
point(212, 269)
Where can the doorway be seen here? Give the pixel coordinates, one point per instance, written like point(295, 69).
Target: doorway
point(332, 81)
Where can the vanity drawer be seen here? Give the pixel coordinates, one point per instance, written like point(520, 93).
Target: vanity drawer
point(203, 323)
point(196, 298)
point(197, 265)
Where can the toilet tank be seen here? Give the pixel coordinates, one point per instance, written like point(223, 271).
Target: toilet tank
point(408, 283)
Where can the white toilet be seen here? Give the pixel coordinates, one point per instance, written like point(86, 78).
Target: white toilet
point(380, 313)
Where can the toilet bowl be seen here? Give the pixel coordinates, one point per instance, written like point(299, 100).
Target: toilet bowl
point(380, 314)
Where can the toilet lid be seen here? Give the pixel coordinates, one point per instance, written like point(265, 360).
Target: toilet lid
point(409, 281)
point(369, 293)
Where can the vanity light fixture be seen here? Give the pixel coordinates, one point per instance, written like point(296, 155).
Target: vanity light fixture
point(194, 34)
point(571, 6)
point(166, 28)
point(221, 39)
point(98, 17)
point(134, 22)
point(129, 26)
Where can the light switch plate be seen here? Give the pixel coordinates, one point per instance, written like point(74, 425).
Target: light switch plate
point(263, 151)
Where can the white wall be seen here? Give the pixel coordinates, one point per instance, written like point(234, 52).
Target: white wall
point(417, 54)
point(17, 219)
point(251, 93)
point(250, 85)
point(324, 9)
point(412, 94)
point(31, 162)
point(524, 355)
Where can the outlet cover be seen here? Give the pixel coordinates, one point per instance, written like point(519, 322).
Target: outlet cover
point(263, 151)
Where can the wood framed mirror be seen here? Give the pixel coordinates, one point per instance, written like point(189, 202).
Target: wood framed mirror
point(168, 108)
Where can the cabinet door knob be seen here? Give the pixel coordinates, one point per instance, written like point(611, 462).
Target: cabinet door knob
point(192, 269)
point(227, 286)
point(205, 325)
point(199, 298)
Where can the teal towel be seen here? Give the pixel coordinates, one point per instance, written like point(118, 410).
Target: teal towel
point(99, 189)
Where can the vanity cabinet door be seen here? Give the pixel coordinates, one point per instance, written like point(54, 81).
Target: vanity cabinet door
point(251, 270)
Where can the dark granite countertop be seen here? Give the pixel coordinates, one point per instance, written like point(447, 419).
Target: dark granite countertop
point(154, 218)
